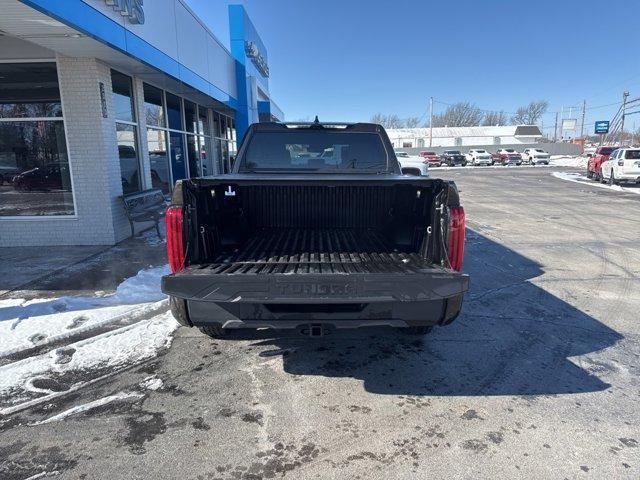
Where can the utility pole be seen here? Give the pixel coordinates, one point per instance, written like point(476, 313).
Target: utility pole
point(625, 95)
point(584, 110)
point(561, 121)
point(430, 122)
point(555, 130)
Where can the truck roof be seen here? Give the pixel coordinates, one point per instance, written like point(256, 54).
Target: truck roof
point(280, 126)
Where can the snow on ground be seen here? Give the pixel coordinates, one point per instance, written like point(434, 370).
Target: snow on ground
point(140, 328)
point(42, 377)
point(35, 323)
point(89, 406)
point(567, 161)
point(581, 178)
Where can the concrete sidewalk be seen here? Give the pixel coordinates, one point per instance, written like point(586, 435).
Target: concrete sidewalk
point(41, 272)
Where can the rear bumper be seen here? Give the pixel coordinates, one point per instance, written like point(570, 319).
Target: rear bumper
point(342, 301)
point(295, 316)
point(628, 177)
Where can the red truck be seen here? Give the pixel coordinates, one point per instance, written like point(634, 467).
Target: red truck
point(594, 166)
point(506, 156)
point(432, 158)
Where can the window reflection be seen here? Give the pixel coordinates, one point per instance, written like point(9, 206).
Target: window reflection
point(29, 90)
point(194, 160)
point(128, 153)
point(153, 106)
point(191, 116)
point(158, 159)
point(174, 111)
point(122, 96)
point(34, 169)
point(178, 165)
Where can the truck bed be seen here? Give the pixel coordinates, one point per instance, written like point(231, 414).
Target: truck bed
point(316, 251)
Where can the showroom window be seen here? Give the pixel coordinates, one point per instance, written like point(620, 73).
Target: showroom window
point(179, 138)
point(224, 143)
point(126, 132)
point(35, 179)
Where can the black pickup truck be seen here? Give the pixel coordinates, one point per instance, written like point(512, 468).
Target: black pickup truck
point(316, 228)
point(453, 158)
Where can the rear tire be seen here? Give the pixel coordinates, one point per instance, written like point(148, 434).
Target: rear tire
point(179, 310)
point(612, 178)
point(213, 331)
point(589, 174)
point(420, 330)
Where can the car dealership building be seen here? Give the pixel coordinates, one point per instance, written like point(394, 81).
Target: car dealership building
point(102, 98)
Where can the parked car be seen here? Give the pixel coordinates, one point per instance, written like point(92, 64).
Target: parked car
point(479, 157)
point(622, 166)
point(535, 156)
point(7, 173)
point(432, 157)
point(413, 164)
point(53, 176)
point(453, 158)
point(507, 156)
point(594, 165)
point(261, 247)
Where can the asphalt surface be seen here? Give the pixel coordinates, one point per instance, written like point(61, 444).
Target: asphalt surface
point(538, 378)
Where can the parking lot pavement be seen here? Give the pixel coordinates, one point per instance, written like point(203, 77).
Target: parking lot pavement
point(538, 378)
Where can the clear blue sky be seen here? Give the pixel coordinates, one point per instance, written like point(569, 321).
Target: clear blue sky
point(348, 59)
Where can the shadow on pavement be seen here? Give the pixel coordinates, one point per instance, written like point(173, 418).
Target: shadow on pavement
point(512, 338)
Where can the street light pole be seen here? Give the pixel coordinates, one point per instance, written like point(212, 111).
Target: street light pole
point(625, 95)
point(584, 109)
point(430, 122)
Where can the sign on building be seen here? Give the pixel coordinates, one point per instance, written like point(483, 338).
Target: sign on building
point(133, 9)
point(602, 126)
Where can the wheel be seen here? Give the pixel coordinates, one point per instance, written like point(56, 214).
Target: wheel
point(179, 311)
point(213, 331)
point(612, 178)
point(421, 330)
point(589, 174)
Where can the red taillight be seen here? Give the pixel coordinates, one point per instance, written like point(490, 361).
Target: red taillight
point(456, 237)
point(175, 249)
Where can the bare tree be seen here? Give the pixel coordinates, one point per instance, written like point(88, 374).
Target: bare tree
point(412, 122)
point(493, 119)
point(393, 121)
point(462, 114)
point(530, 114)
point(379, 118)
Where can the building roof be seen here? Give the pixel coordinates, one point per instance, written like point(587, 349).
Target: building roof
point(459, 132)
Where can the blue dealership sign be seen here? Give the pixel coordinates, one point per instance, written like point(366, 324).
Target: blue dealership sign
point(602, 126)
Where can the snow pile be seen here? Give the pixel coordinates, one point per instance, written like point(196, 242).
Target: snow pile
point(35, 323)
point(566, 161)
point(152, 383)
point(89, 406)
point(581, 178)
point(69, 368)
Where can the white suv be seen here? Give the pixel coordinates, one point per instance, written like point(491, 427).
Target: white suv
point(623, 166)
point(479, 157)
point(535, 156)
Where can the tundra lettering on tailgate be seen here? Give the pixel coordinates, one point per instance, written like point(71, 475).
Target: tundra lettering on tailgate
point(319, 289)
